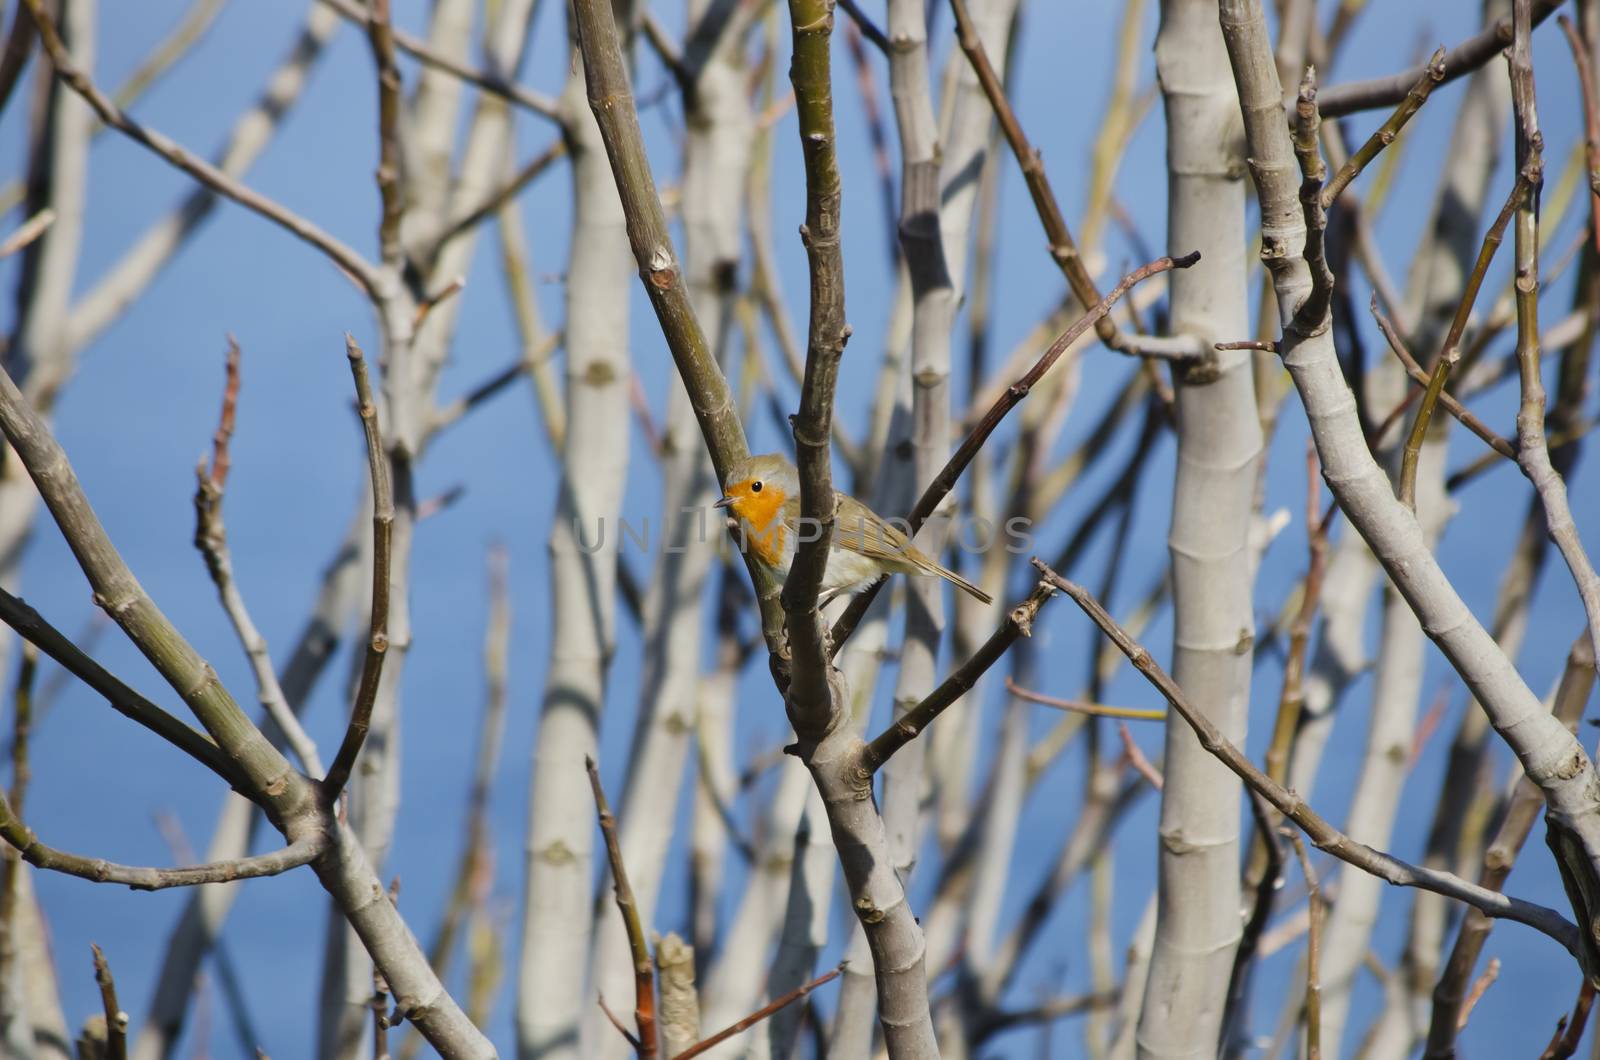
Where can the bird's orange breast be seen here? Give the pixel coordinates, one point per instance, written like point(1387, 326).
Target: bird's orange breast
point(761, 516)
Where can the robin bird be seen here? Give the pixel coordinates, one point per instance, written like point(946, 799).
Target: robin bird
point(763, 492)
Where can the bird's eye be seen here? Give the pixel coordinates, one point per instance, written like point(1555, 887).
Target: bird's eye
point(755, 487)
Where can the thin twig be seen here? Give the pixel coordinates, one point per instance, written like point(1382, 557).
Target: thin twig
point(757, 1016)
point(489, 81)
point(211, 538)
point(1490, 973)
point(1017, 624)
point(1591, 118)
point(380, 35)
point(864, 23)
point(644, 969)
point(1418, 375)
point(116, 1019)
point(378, 630)
point(1136, 758)
point(140, 878)
point(1412, 451)
point(505, 193)
point(617, 1023)
point(1566, 1044)
point(1078, 706)
point(1313, 1013)
point(1385, 135)
point(31, 229)
point(666, 49)
point(1533, 451)
point(1063, 249)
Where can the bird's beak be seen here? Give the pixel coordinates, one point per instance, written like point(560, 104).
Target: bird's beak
point(723, 503)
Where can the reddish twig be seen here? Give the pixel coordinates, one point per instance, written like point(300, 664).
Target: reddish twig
point(1591, 118)
point(1136, 758)
point(757, 1016)
point(644, 969)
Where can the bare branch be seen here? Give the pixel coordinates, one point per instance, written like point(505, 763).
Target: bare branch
point(1386, 133)
point(1324, 835)
point(211, 538)
point(1078, 706)
point(644, 969)
point(491, 82)
point(32, 627)
point(757, 1016)
point(353, 264)
point(27, 232)
point(116, 1019)
point(1533, 449)
point(380, 34)
point(864, 23)
point(1459, 61)
point(378, 632)
point(1018, 623)
point(97, 870)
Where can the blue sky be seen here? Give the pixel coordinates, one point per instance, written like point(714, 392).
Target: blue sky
point(143, 406)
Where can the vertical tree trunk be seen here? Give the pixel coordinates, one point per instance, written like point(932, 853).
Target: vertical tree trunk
point(552, 999)
point(1219, 441)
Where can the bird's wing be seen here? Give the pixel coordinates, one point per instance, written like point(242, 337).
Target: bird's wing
point(857, 529)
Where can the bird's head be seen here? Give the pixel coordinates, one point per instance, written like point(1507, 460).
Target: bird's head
point(758, 486)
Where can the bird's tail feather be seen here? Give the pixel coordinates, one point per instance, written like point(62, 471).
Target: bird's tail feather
point(961, 583)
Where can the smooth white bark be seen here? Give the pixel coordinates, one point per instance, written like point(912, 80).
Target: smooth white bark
point(552, 999)
point(1219, 441)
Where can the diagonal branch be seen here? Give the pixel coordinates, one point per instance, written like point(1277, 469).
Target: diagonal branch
point(33, 628)
point(1459, 61)
point(1017, 624)
point(491, 82)
point(346, 258)
point(715, 408)
point(1326, 837)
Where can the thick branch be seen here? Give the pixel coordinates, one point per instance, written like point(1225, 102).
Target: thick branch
point(33, 628)
point(810, 699)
